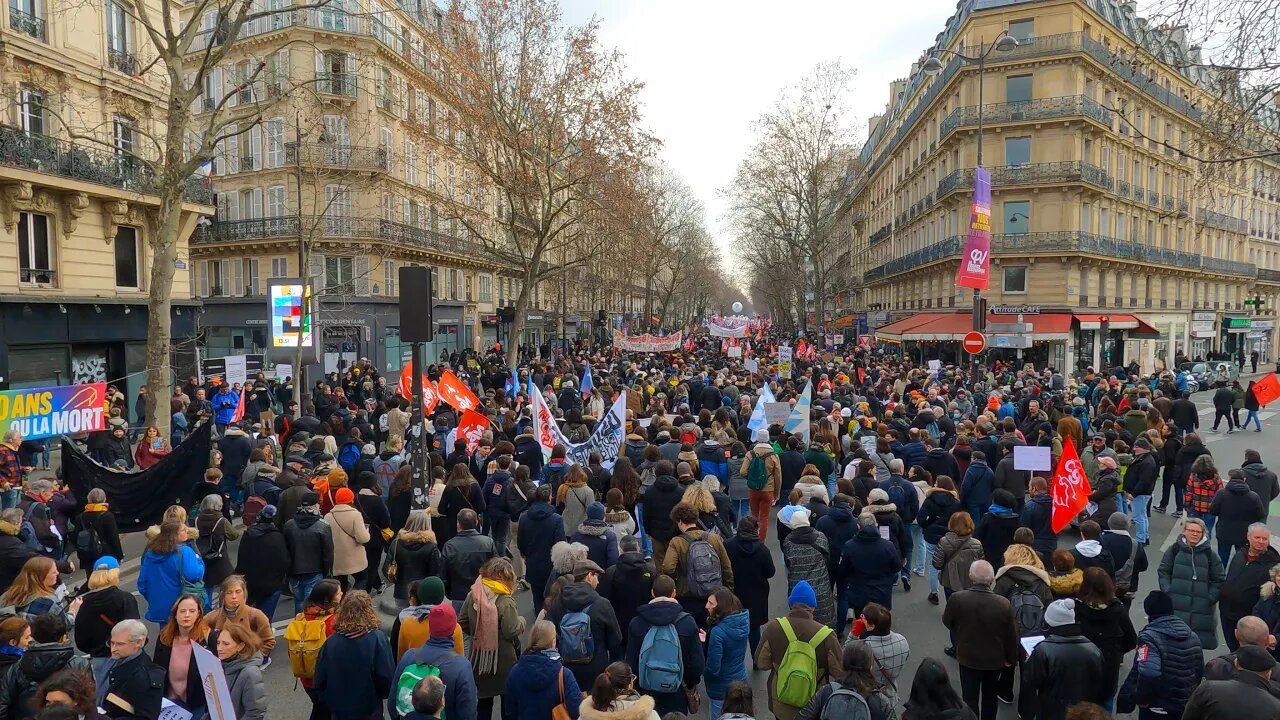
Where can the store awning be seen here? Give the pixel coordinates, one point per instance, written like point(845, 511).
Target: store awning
point(953, 326)
point(1117, 321)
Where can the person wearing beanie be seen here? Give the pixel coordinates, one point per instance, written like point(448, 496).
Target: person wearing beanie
point(768, 479)
point(868, 567)
point(263, 560)
point(1140, 485)
point(809, 564)
point(412, 627)
point(1168, 663)
point(797, 624)
point(598, 536)
point(439, 651)
point(1063, 669)
point(1251, 688)
point(310, 544)
point(350, 533)
point(1124, 551)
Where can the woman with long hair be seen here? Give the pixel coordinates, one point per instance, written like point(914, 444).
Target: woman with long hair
point(68, 688)
point(573, 498)
point(491, 618)
point(461, 492)
point(355, 672)
point(414, 555)
point(613, 696)
point(237, 648)
point(233, 610)
point(932, 697)
point(726, 645)
point(185, 628)
point(400, 497)
point(214, 532)
point(617, 515)
point(151, 448)
point(627, 481)
point(1105, 621)
point(38, 590)
point(170, 567)
point(104, 605)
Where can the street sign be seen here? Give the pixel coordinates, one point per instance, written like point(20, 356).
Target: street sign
point(974, 342)
point(1009, 328)
point(1011, 341)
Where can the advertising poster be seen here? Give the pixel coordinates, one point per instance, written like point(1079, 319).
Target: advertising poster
point(52, 411)
point(975, 261)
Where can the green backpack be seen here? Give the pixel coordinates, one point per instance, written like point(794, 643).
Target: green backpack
point(757, 473)
point(409, 679)
point(798, 674)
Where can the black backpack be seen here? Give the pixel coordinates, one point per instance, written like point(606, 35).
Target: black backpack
point(87, 541)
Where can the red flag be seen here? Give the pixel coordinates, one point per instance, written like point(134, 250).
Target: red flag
point(456, 393)
point(430, 397)
point(471, 428)
point(1069, 487)
point(239, 413)
point(1267, 389)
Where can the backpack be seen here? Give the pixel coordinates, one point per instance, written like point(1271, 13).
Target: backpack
point(1028, 610)
point(798, 674)
point(303, 639)
point(757, 473)
point(648, 477)
point(933, 430)
point(385, 471)
point(27, 533)
point(845, 704)
point(87, 541)
point(661, 658)
point(382, 423)
point(204, 546)
point(348, 456)
point(897, 495)
point(252, 506)
point(413, 674)
point(702, 567)
point(573, 637)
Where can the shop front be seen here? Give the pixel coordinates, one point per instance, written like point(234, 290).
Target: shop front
point(1204, 328)
point(1259, 339)
point(535, 331)
point(1108, 340)
point(1234, 334)
point(489, 324)
point(937, 336)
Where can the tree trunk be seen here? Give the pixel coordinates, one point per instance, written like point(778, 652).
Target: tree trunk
point(163, 242)
point(517, 324)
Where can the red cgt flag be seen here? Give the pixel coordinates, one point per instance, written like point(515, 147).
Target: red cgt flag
point(472, 428)
point(456, 393)
point(1267, 389)
point(405, 388)
point(1069, 488)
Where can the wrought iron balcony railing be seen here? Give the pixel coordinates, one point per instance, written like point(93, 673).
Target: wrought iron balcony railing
point(1220, 221)
point(1267, 275)
point(44, 154)
point(1230, 267)
point(331, 83)
point(1029, 110)
point(1031, 174)
point(287, 226)
point(1123, 189)
point(27, 24)
point(124, 61)
point(347, 157)
point(38, 276)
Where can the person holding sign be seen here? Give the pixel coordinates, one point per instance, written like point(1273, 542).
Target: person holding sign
point(129, 684)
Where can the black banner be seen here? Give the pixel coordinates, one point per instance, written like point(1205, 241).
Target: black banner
point(138, 498)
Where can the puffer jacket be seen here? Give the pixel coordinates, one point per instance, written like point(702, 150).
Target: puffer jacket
point(737, 478)
point(19, 682)
point(869, 568)
point(953, 556)
point(1268, 608)
point(1236, 507)
point(808, 558)
point(1193, 576)
point(712, 460)
point(1105, 487)
point(726, 653)
point(1166, 668)
point(416, 556)
point(935, 512)
point(248, 694)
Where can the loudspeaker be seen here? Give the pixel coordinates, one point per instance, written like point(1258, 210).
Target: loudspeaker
point(415, 305)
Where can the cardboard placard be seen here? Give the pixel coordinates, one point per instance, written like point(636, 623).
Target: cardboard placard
point(1033, 458)
point(776, 413)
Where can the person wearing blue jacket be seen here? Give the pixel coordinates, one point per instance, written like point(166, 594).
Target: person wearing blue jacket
point(726, 646)
point(713, 460)
point(1168, 664)
point(533, 685)
point(167, 563)
point(224, 406)
point(460, 696)
point(354, 669)
point(665, 610)
point(868, 570)
point(979, 482)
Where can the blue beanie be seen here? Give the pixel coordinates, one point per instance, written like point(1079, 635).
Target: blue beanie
point(802, 594)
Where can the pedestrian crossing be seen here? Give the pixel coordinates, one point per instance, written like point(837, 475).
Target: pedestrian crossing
point(1207, 434)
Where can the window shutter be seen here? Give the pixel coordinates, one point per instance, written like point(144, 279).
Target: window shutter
point(315, 264)
point(204, 278)
point(362, 275)
point(232, 155)
point(255, 148)
point(256, 199)
point(237, 279)
point(233, 206)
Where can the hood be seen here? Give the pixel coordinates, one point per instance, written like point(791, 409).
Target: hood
point(737, 625)
point(659, 613)
point(881, 508)
point(762, 450)
point(44, 659)
point(615, 517)
point(232, 668)
point(1255, 471)
point(388, 454)
point(635, 441)
point(870, 533)
point(540, 511)
point(937, 453)
point(1169, 626)
point(305, 520)
point(7, 528)
point(635, 707)
point(541, 667)
point(1003, 512)
point(578, 595)
point(946, 497)
point(259, 529)
point(841, 514)
point(1089, 548)
point(632, 563)
point(1238, 487)
point(666, 483)
point(1023, 573)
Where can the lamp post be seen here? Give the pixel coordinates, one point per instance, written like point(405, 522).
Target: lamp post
point(933, 67)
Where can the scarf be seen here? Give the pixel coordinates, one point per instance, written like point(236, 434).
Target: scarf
point(95, 507)
point(484, 641)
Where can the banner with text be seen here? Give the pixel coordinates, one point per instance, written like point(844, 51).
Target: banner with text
point(52, 411)
point(647, 343)
point(975, 261)
point(728, 327)
point(606, 439)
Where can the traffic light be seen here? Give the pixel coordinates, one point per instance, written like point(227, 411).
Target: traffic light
point(1256, 303)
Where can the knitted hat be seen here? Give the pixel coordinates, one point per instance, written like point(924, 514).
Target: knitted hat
point(760, 436)
point(1255, 659)
point(799, 518)
point(343, 496)
point(878, 495)
point(1060, 612)
point(1142, 443)
point(1157, 604)
point(267, 514)
point(1118, 521)
point(430, 591)
point(802, 594)
point(369, 449)
point(442, 620)
point(684, 470)
point(595, 511)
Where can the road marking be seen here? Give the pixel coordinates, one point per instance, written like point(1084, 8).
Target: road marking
point(1174, 532)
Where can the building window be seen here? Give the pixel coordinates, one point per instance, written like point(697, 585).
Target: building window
point(436, 290)
point(1014, 279)
point(35, 249)
point(249, 274)
point(275, 202)
point(27, 17)
point(1022, 30)
point(32, 112)
point(338, 274)
point(1017, 88)
point(1017, 217)
point(275, 142)
point(469, 288)
point(486, 288)
point(120, 39)
point(1017, 150)
point(126, 248)
point(279, 267)
point(125, 135)
point(389, 277)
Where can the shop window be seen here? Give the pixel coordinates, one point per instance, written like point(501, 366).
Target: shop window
point(1014, 279)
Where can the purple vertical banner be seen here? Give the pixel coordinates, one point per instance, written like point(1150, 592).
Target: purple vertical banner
point(975, 263)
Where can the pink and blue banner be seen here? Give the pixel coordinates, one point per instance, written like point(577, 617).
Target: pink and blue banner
point(53, 411)
point(975, 262)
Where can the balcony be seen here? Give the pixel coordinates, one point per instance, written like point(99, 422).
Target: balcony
point(1168, 203)
point(43, 154)
point(331, 83)
point(1230, 267)
point(124, 61)
point(1030, 110)
point(1123, 189)
point(332, 227)
point(1220, 221)
point(879, 235)
point(345, 157)
point(1269, 276)
point(27, 24)
point(1153, 197)
point(39, 277)
point(1030, 174)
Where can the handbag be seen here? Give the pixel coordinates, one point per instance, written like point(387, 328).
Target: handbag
point(561, 712)
point(392, 569)
point(695, 699)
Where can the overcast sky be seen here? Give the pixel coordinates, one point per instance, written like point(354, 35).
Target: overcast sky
point(712, 67)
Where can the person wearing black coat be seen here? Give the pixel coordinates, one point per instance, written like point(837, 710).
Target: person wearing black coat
point(1104, 620)
point(999, 522)
point(460, 493)
point(1236, 507)
point(1191, 449)
point(1168, 666)
point(100, 610)
point(839, 525)
point(1140, 485)
point(1248, 570)
point(581, 596)
point(263, 560)
point(97, 516)
point(628, 584)
point(655, 506)
point(416, 556)
point(529, 454)
point(979, 483)
point(1064, 669)
point(753, 567)
point(540, 528)
point(133, 679)
point(374, 510)
point(116, 449)
point(792, 463)
point(1037, 516)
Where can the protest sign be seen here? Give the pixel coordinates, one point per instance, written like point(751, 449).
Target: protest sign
point(52, 411)
point(1029, 457)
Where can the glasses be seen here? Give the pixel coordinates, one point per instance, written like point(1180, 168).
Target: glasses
point(123, 643)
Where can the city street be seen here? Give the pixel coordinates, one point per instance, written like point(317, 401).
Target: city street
point(913, 615)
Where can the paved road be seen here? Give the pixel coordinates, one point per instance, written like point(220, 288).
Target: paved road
point(914, 616)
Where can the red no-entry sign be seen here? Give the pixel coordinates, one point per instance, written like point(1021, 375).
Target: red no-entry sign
point(974, 342)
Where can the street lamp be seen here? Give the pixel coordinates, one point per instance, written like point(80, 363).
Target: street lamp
point(932, 67)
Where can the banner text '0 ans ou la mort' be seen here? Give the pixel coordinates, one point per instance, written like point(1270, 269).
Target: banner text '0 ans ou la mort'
point(52, 411)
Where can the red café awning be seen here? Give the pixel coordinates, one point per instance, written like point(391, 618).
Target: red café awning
point(953, 326)
point(1116, 321)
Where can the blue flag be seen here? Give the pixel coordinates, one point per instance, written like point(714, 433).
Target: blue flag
point(513, 382)
point(587, 385)
point(757, 421)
